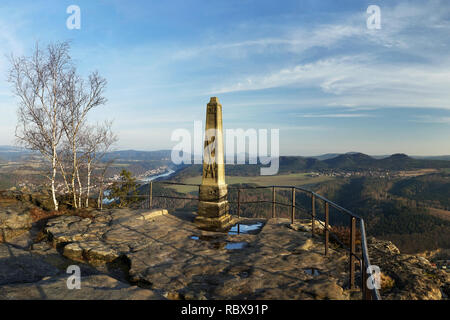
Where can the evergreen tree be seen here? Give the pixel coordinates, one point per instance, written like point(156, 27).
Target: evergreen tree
point(125, 190)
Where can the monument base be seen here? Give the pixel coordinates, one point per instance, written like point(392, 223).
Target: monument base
point(213, 216)
point(218, 224)
point(212, 209)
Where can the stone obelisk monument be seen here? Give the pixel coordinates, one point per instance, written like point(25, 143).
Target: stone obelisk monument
point(213, 205)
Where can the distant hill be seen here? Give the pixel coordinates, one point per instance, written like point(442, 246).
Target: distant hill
point(12, 153)
point(396, 209)
point(393, 162)
point(355, 161)
point(351, 160)
point(447, 158)
point(134, 155)
point(431, 188)
point(327, 156)
point(345, 162)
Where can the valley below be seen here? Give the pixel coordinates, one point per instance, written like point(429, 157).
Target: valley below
point(404, 203)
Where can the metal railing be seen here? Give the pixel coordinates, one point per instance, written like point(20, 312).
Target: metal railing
point(368, 293)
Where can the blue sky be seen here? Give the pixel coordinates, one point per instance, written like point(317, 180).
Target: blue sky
point(309, 68)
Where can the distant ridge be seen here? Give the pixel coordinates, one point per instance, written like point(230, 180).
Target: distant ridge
point(327, 156)
point(349, 160)
point(130, 155)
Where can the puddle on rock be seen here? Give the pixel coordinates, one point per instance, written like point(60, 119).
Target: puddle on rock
point(246, 228)
point(217, 244)
point(235, 245)
point(312, 272)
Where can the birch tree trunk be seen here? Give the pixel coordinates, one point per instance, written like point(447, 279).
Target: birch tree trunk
point(88, 182)
point(100, 195)
point(63, 174)
point(80, 189)
point(55, 202)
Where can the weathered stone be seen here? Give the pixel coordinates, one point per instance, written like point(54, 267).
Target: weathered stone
point(327, 290)
point(220, 223)
point(162, 256)
point(17, 266)
point(210, 209)
point(213, 192)
point(94, 252)
point(276, 263)
point(406, 277)
point(307, 245)
point(13, 223)
point(148, 215)
point(73, 251)
point(94, 287)
point(305, 225)
point(213, 205)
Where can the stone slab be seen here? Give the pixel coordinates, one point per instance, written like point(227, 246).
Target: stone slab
point(151, 214)
point(93, 287)
point(213, 209)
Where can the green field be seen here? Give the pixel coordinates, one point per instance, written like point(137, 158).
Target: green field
point(120, 165)
point(292, 179)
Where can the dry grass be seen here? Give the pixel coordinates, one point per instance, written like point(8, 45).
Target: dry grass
point(343, 234)
point(440, 213)
point(387, 282)
point(416, 173)
point(83, 213)
point(38, 214)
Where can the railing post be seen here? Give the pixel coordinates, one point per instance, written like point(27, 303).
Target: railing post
point(367, 294)
point(293, 206)
point(352, 251)
point(313, 215)
point(273, 202)
point(363, 278)
point(150, 195)
point(239, 204)
point(198, 197)
point(327, 232)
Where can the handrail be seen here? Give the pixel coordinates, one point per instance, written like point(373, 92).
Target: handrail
point(364, 259)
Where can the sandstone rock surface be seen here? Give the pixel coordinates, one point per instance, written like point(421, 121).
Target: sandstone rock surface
point(414, 277)
point(17, 266)
point(93, 287)
point(170, 254)
point(14, 218)
point(167, 256)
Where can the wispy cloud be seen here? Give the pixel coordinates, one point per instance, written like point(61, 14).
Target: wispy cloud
point(431, 119)
point(335, 115)
point(269, 64)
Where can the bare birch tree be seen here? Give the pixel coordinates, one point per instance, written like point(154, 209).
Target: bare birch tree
point(101, 184)
point(39, 82)
point(97, 142)
point(54, 102)
point(79, 100)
